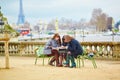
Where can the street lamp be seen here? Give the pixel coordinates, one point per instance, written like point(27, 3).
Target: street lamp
point(31, 34)
point(83, 34)
point(113, 34)
point(40, 28)
point(5, 38)
point(74, 32)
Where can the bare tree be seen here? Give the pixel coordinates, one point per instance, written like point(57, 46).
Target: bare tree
point(99, 19)
point(51, 25)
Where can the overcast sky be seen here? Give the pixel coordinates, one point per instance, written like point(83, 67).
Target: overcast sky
point(35, 10)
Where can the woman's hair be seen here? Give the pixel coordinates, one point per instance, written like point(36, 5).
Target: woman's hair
point(68, 38)
point(55, 35)
point(59, 40)
point(63, 39)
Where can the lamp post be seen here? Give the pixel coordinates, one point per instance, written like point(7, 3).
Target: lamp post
point(40, 29)
point(4, 38)
point(56, 26)
point(83, 32)
point(83, 35)
point(31, 34)
point(113, 32)
point(74, 29)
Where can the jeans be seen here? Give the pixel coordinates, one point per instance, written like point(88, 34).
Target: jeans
point(70, 58)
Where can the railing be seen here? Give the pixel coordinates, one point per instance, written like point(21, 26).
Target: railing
point(103, 49)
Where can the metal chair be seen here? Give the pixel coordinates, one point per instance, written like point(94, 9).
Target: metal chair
point(81, 58)
point(39, 54)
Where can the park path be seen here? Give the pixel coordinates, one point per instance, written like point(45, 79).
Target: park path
point(23, 68)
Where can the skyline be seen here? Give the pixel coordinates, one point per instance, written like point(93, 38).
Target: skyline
point(46, 10)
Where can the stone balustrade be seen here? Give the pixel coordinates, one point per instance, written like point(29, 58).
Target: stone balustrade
point(103, 49)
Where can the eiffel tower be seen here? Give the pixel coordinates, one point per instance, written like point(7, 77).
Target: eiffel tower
point(21, 17)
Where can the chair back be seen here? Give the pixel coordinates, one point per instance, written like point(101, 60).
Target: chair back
point(39, 51)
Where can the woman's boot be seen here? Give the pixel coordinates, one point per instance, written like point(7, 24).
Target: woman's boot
point(73, 62)
point(61, 60)
point(67, 64)
point(51, 61)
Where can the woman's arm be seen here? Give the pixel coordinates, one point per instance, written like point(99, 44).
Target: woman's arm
point(49, 44)
point(72, 46)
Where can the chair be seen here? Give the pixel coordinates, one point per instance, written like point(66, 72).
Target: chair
point(80, 59)
point(39, 54)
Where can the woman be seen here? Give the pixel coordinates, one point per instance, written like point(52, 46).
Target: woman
point(51, 49)
point(74, 49)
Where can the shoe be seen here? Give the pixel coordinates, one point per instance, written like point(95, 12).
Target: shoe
point(72, 67)
point(59, 65)
point(51, 64)
point(66, 65)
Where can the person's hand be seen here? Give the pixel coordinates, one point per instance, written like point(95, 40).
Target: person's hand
point(50, 47)
point(62, 47)
point(69, 53)
point(56, 48)
point(66, 47)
